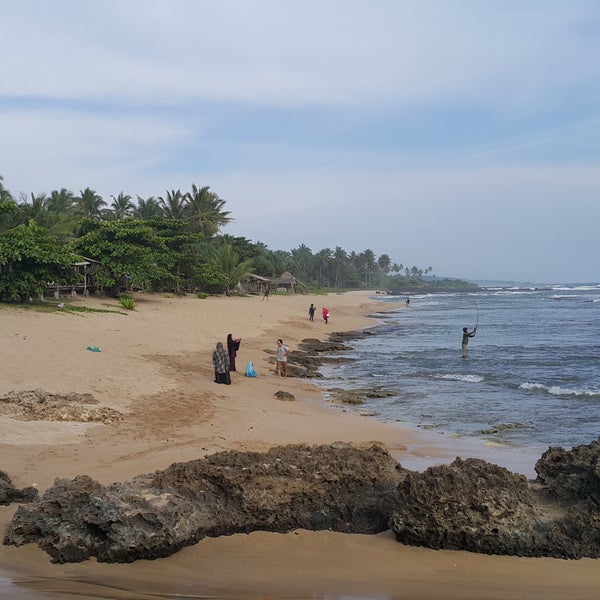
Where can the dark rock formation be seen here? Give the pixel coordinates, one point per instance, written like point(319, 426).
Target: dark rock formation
point(571, 475)
point(9, 493)
point(311, 353)
point(334, 487)
point(467, 505)
point(472, 505)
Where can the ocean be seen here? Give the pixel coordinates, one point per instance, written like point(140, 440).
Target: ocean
point(531, 379)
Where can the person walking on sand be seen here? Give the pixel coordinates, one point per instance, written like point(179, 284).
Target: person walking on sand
point(232, 347)
point(266, 294)
point(465, 340)
point(311, 312)
point(221, 364)
point(325, 314)
point(282, 358)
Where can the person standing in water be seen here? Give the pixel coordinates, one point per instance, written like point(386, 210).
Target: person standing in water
point(465, 340)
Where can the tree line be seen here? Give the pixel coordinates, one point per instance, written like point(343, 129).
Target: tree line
point(171, 243)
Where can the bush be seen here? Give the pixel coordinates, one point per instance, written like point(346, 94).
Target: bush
point(127, 302)
point(202, 295)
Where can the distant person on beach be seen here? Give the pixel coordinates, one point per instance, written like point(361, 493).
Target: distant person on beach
point(232, 347)
point(266, 294)
point(221, 365)
point(325, 314)
point(465, 340)
point(311, 312)
point(407, 301)
point(282, 358)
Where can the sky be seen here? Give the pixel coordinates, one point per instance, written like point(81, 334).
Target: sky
point(461, 135)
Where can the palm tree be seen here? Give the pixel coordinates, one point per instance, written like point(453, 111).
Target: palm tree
point(35, 210)
point(323, 260)
point(121, 206)
point(60, 201)
point(302, 260)
point(384, 262)
point(340, 259)
point(89, 203)
point(204, 211)
point(5, 195)
point(232, 268)
point(148, 208)
point(173, 204)
point(368, 263)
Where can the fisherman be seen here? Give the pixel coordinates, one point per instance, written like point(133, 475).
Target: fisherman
point(465, 340)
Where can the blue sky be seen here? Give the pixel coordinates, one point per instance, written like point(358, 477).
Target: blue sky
point(461, 135)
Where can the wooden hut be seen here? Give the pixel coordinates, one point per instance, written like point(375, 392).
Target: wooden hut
point(286, 282)
point(255, 284)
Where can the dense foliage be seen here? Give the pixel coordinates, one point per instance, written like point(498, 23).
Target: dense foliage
point(169, 243)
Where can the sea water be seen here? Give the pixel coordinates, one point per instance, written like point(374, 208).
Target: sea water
point(531, 379)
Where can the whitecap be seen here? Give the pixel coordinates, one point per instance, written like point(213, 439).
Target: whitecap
point(556, 390)
point(465, 378)
point(533, 386)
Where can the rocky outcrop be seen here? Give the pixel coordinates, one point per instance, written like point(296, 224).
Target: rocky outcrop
point(9, 493)
point(38, 405)
point(571, 475)
point(472, 505)
point(311, 353)
point(334, 487)
point(467, 505)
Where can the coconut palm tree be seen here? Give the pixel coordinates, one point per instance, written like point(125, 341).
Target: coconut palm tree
point(204, 211)
point(232, 268)
point(34, 209)
point(89, 203)
point(173, 204)
point(340, 259)
point(60, 202)
point(147, 208)
point(122, 206)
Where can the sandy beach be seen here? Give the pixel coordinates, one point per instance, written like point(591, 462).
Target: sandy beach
point(155, 370)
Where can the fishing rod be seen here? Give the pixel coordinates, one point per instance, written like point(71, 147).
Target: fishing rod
point(477, 322)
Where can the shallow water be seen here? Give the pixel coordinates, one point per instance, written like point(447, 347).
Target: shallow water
point(531, 379)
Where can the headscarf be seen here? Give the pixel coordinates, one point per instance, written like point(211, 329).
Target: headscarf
point(220, 359)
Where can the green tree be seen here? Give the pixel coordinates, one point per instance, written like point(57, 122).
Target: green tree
point(29, 259)
point(127, 250)
point(173, 204)
point(147, 208)
point(340, 260)
point(232, 268)
point(60, 202)
point(302, 260)
point(204, 211)
point(323, 259)
point(89, 203)
point(122, 206)
point(368, 263)
point(35, 210)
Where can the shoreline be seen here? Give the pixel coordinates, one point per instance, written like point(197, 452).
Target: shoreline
point(155, 369)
